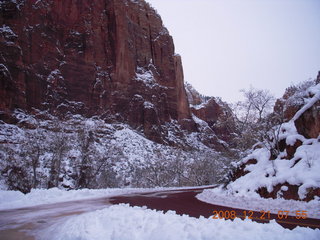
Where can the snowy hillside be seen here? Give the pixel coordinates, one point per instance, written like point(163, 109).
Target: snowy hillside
point(40, 152)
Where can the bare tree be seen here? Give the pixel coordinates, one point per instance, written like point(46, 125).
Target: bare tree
point(178, 167)
point(85, 138)
point(251, 114)
point(31, 150)
point(203, 170)
point(59, 146)
point(103, 172)
point(257, 102)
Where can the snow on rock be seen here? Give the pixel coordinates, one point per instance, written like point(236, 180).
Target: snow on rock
point(285, 167)
point(287, 129)
point(302, 170)
point(7, 32)
point(125, 222)
point(314, 90)
point(200, 122)
point(147, 104)
point(146, 76)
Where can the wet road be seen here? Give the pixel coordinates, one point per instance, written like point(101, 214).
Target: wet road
point(25, 223)
point(185, 202)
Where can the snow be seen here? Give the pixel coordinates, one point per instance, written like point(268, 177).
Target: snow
point(145, 76)
point(163, 32)
point(310, 102)
point(16, 199)
point(54, 75)
point(292, 139)
point(125, 222)
point(7, 32)
point(219, 196)
point(199, 121)
point(89, 123)
point(301, 170)
point(298, 94)
point(128, 150)
point(149, 105)
point(198, 107)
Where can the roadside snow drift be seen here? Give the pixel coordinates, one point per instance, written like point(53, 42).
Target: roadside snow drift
point(16, 199)
point(123, 222)
point(219, 196)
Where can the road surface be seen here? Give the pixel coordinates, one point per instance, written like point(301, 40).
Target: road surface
point(185, 202)
point(24, 223)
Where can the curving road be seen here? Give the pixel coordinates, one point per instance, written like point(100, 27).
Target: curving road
point(185, 202)
point(24, 223)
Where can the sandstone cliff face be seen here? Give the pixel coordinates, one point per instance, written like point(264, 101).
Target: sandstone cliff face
point(216, 114)
point(109, 58)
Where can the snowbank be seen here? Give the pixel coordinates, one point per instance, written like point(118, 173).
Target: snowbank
point(124, 222)
point(16, 199)
point(221, 197)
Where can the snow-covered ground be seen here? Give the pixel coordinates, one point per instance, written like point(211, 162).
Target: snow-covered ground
point(16, 199)
point(255, 203)
point(125, 222)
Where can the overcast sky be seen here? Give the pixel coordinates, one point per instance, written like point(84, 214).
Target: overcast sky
point(227, 45)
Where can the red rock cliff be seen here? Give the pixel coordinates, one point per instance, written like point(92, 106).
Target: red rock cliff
point(110, 57)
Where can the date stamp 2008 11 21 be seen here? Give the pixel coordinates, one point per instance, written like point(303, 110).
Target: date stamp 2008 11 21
point(264, 215)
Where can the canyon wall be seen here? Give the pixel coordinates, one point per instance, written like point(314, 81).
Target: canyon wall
point(109, 58)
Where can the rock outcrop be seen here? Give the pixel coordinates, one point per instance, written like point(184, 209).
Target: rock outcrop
point(109, 58)
point(308, 124)
point(216, 114)
point(295, 141)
